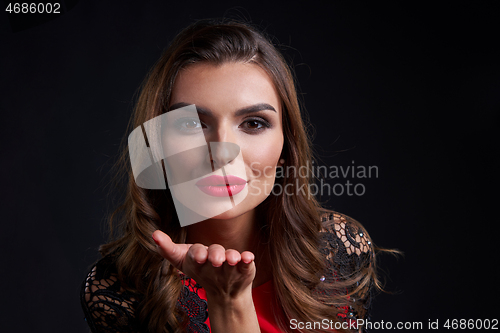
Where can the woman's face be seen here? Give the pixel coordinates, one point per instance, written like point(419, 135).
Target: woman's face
point(238, 106)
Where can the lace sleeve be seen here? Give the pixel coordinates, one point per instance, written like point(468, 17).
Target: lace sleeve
point(108, 308)
point(350, 263)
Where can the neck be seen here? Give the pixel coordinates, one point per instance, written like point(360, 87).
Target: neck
point(239, 233)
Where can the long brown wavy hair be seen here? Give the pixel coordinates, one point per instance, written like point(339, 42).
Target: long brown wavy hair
point(292, 222)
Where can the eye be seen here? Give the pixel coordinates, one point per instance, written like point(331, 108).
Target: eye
point(191, 123)
point(255, 124)
point(188, 125)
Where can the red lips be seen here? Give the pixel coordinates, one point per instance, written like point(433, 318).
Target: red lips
point(219, 186)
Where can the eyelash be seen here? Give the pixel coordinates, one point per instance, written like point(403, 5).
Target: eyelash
point(179, 124)
point(264, 124)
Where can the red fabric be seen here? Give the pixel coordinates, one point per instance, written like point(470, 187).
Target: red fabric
point(264, 302)
point(265, 305)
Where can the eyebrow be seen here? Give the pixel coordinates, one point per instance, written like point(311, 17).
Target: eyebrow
point(239, 112)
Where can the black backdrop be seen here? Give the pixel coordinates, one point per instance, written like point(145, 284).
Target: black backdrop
point(410, 88)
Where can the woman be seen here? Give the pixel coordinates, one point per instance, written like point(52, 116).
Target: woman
point(267, 258)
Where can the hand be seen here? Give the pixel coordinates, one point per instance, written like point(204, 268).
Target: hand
point(224, 274)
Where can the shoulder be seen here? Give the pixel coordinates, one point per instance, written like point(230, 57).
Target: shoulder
point(350, 263)
point(345, 243)
point(107, 306)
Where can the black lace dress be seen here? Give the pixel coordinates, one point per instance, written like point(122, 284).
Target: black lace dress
point(110, 308)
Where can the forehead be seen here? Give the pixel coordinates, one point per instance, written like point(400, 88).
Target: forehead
point(234, 85)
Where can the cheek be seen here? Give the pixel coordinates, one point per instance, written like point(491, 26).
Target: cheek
point(263, 156)
point(185, 159)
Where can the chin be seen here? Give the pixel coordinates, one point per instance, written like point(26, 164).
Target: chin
point(231, 214)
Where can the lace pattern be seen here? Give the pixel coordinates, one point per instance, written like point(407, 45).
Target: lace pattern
point(107, 306)
point(348, 252)
point(195, 307)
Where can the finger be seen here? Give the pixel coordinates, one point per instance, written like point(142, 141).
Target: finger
point(247, 257)
point(233, 257)
point(216, 255)
point(198, 253)
point(175, 253)
point(247, 268)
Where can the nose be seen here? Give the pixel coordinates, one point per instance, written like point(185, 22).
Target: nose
point(222, 145)
point(222, 153)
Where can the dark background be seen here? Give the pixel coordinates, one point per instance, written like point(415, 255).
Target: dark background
point(410, 88)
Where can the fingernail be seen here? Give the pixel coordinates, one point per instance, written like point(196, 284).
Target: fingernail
point(156, 241)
